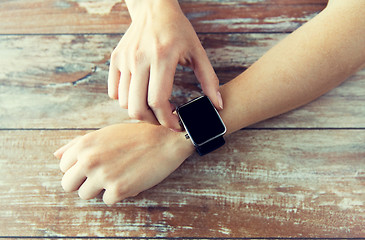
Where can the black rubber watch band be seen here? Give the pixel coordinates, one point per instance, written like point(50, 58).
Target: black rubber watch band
point(210, 146)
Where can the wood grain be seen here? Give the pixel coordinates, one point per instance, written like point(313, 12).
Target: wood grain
point(263, 183)
point(301, 174)
point(61, 82)
point(111, 16)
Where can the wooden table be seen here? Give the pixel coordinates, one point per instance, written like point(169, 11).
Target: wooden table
point(301, 174)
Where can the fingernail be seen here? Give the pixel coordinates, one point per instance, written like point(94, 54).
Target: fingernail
point(57, 153)
point(220, 100)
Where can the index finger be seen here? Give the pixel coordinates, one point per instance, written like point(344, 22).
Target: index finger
point(159, 92)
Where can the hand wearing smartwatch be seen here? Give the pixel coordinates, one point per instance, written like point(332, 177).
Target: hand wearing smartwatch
point(125, 159)
point(203, 125)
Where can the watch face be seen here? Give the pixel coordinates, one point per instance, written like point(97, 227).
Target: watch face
point(201, 120)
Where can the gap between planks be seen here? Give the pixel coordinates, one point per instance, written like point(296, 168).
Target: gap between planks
point(243, 129)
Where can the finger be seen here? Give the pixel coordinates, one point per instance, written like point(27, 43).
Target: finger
point(69, 158)
point(208, 79)
point(123, 88)
point(159, 92)
point(111, 197)
point(137, 100)
point(89, 189)
point(73, 179)
point(166, 116)
point(59, 152)
point(113, 79)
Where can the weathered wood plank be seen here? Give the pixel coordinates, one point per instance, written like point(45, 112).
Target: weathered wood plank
point(61, 82)
point(262, 183)
point(111, 16)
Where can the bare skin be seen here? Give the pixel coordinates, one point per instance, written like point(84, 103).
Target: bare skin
point(114, 158)
point(143, 65)
point(309, 62)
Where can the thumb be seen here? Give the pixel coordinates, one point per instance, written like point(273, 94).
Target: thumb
point(209, 82)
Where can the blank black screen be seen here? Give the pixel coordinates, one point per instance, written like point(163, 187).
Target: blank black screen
point(201, 120)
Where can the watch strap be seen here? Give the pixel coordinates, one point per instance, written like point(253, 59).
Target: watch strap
point(210, 146)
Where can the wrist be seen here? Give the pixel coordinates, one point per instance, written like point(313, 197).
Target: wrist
point(174, 142)
point(184, 145)
point(136, 8)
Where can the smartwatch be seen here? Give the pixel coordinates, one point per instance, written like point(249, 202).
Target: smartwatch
point(203, 125)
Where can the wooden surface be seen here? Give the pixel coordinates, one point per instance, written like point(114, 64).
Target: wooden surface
point(301, 174)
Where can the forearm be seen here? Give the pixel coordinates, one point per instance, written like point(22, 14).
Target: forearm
point(306, 64)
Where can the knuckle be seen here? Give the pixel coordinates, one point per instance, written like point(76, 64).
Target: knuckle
point(65, 185)
point(114, 56)
point(162, 51)
point(116, 193)
point(139, 56)
point(119, 57)
point(105, 175)
point(138, 59)
point(83, 196)
point(85, 141)
point(121, 189)
point(63, 166)
point(108, 201)
point(166, 124)
point(112, 93)
point(154, 102)
point(123, 103)
point(198, 49)
point(136, 114)
point(89, 161)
